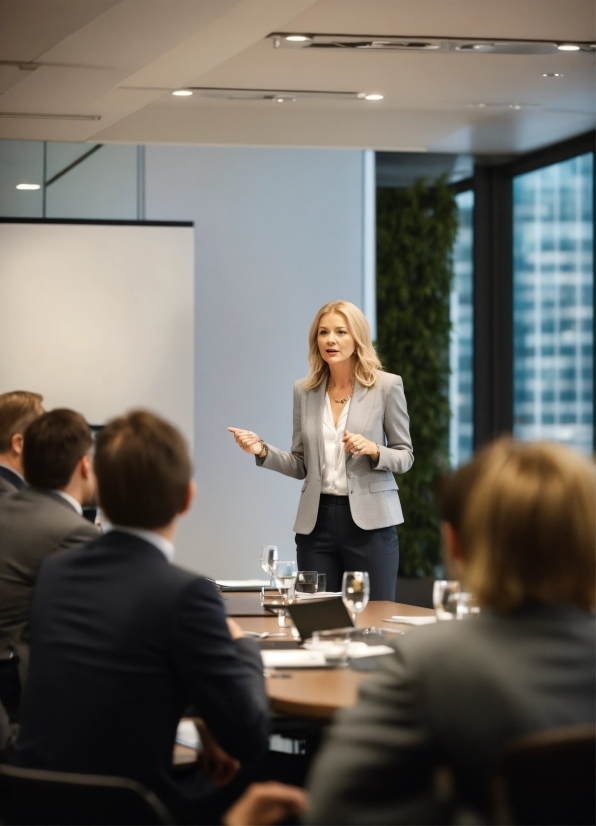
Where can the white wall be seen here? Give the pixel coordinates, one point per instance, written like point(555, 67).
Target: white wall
point(278, 232)
point(101, 319)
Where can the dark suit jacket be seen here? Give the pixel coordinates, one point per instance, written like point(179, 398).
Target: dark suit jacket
point(33, 524)
point(452, 695)
point(122, 643)
point(10, 481)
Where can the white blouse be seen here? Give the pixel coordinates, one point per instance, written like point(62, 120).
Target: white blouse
point(334, 479)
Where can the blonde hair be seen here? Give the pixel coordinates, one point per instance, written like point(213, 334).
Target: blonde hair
point(366, 360)
point(528, 527)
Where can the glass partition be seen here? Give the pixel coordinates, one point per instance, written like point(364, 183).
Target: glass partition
point(553, 303)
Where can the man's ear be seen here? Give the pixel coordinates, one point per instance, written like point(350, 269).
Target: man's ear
point(452, 543)
point(85, 465)
point(16, 443)
point(190, 495)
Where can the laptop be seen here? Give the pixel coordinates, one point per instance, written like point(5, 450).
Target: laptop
point(319, 615)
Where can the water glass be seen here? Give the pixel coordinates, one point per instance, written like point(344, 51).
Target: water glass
point(355, 591)
point(467, 606)
point(307, 582)
point(285, 574)
point(334, 644)
point(276, 602)
point(445, 596)
point(321, 583)
point(268, 560)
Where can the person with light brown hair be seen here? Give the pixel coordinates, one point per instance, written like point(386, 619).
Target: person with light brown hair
point(17, 410)
point(351, 435)
point(520, 524)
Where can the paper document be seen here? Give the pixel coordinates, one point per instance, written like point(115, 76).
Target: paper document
point(428, 620)
point(293, 659)
point(243, 583)
point(319, 595)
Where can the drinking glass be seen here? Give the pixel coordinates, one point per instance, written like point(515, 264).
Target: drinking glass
point(285, 574)
point(275, 602)
point(355, 591)
point(321, 583)
point(307, 582)
point(445, 596)
point(268, 560)
point(467, 606)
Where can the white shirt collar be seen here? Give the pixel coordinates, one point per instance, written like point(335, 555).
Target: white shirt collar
point(160, 542)
point(12, 470)
point(71, 501)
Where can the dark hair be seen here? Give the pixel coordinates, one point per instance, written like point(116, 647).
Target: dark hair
point(143, 470)
point(17, 410)
point(54, 444)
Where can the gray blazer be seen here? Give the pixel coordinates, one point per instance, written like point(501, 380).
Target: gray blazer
point(379, 414)
point(33, 524)
point(452, 695)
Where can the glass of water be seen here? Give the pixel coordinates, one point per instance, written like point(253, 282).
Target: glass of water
point(268, 560)
point(445, 598)
point(467, 606)
point(355, 591)
point(307, 582)
point(285, 574)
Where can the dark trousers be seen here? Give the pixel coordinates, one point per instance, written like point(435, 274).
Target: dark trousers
point(337, 544)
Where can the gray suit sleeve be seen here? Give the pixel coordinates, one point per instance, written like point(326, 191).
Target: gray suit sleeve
point(378, 758)
point(398, 455)
point(292, 463)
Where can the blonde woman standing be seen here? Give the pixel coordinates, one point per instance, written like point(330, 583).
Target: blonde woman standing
point(351, 434)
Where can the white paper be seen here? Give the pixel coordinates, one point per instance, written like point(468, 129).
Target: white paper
point(358, 650)
point(187, 735)
point(295, 658)
point(240, 583)
point(319, 595)
point(428, 620)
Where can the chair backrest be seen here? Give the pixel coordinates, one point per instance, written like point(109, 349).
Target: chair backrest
point(549, 777)
point(36, 796)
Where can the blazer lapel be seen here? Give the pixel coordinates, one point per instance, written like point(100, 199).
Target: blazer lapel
point(360, 408)
point(315, 405)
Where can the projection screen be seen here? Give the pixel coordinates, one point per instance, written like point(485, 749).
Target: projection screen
point(99, 317)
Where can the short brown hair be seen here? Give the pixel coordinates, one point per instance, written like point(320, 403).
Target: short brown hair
point(54, 444)
point(17, 410)
point(143, 470)
point(528, 528)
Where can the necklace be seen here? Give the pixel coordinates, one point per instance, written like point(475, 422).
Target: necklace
point(341, 401)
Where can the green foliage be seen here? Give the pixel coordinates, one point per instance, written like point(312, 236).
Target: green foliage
point(416, 230)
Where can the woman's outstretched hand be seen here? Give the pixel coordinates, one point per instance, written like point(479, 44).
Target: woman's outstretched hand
point(247, 440)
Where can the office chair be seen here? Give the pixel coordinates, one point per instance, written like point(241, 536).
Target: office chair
point(549, 777)
point(36, 796)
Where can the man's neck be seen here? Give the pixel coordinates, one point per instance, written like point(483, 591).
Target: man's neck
point(74, 491)
point(12, 462)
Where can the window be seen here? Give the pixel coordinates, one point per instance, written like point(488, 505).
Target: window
point(461, 432)
point(553, 303)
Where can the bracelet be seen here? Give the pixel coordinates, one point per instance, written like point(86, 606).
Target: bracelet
point(264, 447)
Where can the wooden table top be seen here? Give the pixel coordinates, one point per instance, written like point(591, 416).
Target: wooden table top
point(319, 693)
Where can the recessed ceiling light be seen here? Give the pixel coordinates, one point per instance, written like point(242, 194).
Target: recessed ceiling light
point(373, 97)
point(28, 186)
point(552, 74)
point(568, 47)
point(297, 38)
point(182, 93)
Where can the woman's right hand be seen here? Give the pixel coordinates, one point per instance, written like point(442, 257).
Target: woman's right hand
point(248, 441)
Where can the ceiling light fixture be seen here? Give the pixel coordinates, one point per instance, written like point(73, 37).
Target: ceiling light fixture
point(374, 97)
point(515, 105)
point(297, 38)
point(568, 47)
point(182, 93)
point(552, 74)
point(28, 186)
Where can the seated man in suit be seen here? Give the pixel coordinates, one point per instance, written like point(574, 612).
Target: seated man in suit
point(123, 640)
point(17, 410)
point(520, 522)
point(38, 521)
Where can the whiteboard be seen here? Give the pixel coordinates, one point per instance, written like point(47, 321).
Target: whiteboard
point(99, 318)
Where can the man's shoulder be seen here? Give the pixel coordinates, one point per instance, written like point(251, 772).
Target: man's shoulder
point(35, 510)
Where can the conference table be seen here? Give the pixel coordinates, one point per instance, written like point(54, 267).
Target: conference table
point(315, 693)
point(312, 693)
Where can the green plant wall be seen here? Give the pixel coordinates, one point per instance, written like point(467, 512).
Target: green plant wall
point(416, 230)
